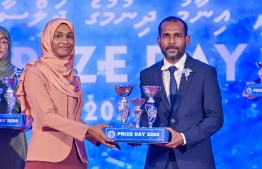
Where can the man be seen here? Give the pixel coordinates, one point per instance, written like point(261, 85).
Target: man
point(197, 111)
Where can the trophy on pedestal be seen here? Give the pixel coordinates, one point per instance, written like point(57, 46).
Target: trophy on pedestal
point(11, 120)
point(138, 102)
point(124, 110)
point(151, 91)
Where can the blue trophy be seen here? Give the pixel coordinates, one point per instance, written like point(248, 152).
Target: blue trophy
point(151, 91)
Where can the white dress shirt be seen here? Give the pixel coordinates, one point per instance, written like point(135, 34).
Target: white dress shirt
point(178, 74)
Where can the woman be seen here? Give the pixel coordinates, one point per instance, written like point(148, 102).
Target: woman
point(52, 95)
point(13, 144)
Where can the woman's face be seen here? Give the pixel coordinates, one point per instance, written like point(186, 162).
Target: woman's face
point(3, 46)
point(63, 41)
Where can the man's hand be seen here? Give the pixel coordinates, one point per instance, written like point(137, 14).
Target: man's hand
point(176, 140)
point(97, 133)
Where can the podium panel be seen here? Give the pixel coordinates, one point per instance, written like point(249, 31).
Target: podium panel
point(138, 135)
point(12, 120)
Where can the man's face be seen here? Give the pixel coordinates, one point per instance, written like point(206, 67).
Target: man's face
point(172, 40)
point(3, 46)
point(63, 41)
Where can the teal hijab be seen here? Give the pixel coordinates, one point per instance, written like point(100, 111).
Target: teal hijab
point(6, 67)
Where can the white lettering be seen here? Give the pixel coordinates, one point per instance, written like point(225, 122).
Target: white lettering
point(86, 52)
point(19, 58)
point(111, 64)
point(2, 120)
point(257, 90)
point(124, 133)
point(230, 59)
point(199, 54)
point(152, 51)
point(139, 133)
point(23, 55)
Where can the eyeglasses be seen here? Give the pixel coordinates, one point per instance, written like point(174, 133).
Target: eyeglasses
point(4, 43)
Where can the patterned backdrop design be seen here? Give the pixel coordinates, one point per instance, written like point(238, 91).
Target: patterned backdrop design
point(115, 39)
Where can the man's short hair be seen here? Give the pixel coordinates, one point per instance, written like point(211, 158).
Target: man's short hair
point(174, 19)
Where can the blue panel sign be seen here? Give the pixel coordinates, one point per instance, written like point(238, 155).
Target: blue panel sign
point(138, 135)
point(12, 120)
point(254, 90)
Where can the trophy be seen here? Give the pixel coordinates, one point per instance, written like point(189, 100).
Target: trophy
point(151, 91)
point(9, 96)
point(11, 120)
point(138, 102)
point(149, 135)
point(124, 110)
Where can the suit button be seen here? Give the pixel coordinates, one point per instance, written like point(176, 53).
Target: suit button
point(173, 120)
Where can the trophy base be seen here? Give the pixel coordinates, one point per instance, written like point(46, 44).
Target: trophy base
point(138, 135)
point(254, 89)
point(12, 120)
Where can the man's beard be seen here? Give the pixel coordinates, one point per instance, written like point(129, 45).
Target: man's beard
point(179, 54)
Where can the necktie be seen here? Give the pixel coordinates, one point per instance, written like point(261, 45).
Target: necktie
point(173, 86)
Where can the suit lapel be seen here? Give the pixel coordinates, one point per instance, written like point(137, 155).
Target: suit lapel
point(159, 82)
point(183, 82)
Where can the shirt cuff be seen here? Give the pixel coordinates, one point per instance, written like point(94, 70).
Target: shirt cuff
point(183, 139)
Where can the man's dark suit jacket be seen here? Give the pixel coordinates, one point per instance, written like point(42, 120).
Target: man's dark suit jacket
point(197, 114)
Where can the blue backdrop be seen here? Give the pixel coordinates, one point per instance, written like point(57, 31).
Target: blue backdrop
point(115, 39)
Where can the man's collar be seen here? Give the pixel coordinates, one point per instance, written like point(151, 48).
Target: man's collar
point(180, 64)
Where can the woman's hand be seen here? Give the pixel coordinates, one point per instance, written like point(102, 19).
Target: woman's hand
point(28, 125)
point(97, 133)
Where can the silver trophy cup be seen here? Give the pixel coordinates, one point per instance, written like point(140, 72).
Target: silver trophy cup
point(151, 91)
point(138, 102)
point(10, 82)
point(124, 110)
